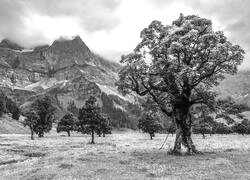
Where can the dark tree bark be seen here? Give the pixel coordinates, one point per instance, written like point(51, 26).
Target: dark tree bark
point(103, 135)
point(203, 136)
point(151, 136)
point(32, 134)
point(41, 134)
point(183, 131)
point(68, 133)
point(93, 136)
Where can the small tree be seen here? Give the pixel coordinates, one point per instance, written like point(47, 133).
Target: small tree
point(104, 126)
point(15, 112)
point(2, 104)
point(90, 117)
point(12, 108)
point(149, 124)
point(242, 128)
point(7, 105)
point(32, 121)
point(45, 111)
point(67, 123)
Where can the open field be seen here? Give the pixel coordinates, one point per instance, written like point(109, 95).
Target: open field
point(122, 155)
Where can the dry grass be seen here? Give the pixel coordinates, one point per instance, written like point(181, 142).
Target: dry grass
point(122, 155)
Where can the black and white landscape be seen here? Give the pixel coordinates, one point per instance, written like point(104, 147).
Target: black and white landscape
point(116, 89)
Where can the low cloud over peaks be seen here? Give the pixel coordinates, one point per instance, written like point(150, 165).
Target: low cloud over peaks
point(11, 22)
point(89, 15)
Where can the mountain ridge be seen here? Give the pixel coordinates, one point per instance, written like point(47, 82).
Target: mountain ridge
point(67, 70)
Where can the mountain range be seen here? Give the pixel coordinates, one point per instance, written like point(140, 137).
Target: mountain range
point(67, 70)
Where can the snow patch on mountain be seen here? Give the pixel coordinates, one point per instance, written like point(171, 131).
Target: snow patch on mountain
point(23, 50)
point(46, 83)
point(117, 106)
point(112, 91)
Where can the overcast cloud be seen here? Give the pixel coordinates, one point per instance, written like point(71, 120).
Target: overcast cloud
point(112, 27)
point(231, 16)
point(91, 15)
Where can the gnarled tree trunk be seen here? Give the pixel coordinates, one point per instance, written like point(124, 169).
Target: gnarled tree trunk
point(183, 131)
point(32, 134)
point(93, 136)
point(151, 136)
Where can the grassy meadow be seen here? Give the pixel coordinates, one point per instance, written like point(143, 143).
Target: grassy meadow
point(124, 154)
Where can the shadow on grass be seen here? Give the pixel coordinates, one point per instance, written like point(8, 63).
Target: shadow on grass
point(165, 157)
point(12, 161)
point(34, 154)
point(65, 166)
point(28, 151)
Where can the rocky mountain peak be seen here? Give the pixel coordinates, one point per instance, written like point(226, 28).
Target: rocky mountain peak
point(6, 43)
point(66, 52)
point(75, 42)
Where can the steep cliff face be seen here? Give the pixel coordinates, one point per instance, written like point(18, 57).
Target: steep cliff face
point(67, 70)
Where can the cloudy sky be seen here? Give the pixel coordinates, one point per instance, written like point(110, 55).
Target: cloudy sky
point(112, 27)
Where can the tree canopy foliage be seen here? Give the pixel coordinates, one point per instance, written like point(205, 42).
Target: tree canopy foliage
point(242, 127)
point(12, 108)
point(177, 66)
point(2, 104)
point(67, 123)
point(91, 119)
point(42, 115)
point(104, 125)
point(32, 121)
point(7, 105)
point(150, 123)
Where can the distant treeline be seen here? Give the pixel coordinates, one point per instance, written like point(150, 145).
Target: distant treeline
point(7, 105)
